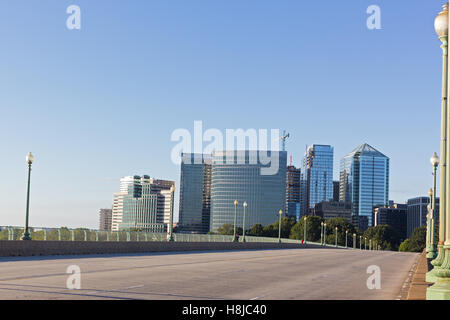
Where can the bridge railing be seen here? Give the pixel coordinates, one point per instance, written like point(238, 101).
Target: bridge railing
point(66, 234)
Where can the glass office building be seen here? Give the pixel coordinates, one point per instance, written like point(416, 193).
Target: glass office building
point(239, 175)
point(195, 193)
point(144, 204)
point(316, 177)
point(364, 180)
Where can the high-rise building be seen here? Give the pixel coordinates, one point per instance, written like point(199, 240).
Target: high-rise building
point(242, 176)
point(146, 204)
point(195, 193)
point(364, 181)
point(316, 177)
point(336, 191)
point(293, 192)
point(333, 209)
point(417, 213)
point(394, 215)
point(117, 210)
point(105, 219)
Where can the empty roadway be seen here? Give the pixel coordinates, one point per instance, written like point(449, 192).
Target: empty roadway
point(253, 274)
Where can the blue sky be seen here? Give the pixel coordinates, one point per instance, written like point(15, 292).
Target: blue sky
point(99, 103)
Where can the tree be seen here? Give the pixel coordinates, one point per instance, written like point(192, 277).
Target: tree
point(405, 246)
point(286, 225)
point(418, 239)
point(228, 230)
point(343, 225)
point(257, 230)
point(385, 236)
point(312, 229)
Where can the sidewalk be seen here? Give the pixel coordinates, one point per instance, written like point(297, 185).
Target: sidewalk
point(418, 286)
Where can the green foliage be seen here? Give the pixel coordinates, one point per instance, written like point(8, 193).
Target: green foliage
point(228, 230)
point(312, 229)
point(271, 230)
point(385, 236)
point(343, 225)
point(405, 246)
point(257, 230)
point(418, 239)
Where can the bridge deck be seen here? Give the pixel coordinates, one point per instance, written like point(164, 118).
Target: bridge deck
point(259, 274)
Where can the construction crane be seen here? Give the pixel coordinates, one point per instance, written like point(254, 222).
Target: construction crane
point(283, 138)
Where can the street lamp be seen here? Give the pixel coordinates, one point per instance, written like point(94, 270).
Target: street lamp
point(429, 226)
point(235, 239)
point(354, 241)
point(434, 160)
point(243, 222)
point(26, 233)
point(325, 234)
point(335, 242)
point(321, 233)
point(346, 238)
point(279, 226)
point(170, 229)
point(365, 243)
point(370, 244)
point(441, 271)
point(304, 229)
point(360, 242)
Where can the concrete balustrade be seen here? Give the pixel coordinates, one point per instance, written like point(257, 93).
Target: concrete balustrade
point(45, 248)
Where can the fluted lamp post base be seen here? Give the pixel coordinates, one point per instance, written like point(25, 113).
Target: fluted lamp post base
point(441, 289)
point(431, 276)
point(26, 236)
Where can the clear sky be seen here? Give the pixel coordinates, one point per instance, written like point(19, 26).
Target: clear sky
point(100, 103)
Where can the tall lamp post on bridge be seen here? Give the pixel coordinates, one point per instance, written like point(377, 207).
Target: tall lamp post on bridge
point(235, 238)
point(335, 242)
point(26, 233)
point(324, 233)
point(428, 235)
point(434, 160)
point(346, 238)
point(360, 242)
point(354, 241)
point(170, 229)
point(321, 233)
point(279, 226)
point(365, 243)
point(243, 221)
point(305, 219)
point(441, 289)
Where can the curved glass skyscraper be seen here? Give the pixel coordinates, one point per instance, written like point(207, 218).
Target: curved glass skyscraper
point(240, 177)
point(364, 180)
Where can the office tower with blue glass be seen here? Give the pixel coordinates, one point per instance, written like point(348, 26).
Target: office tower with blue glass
point(195, 193)
point(293, 192)
point(247, 176)
point(364, 181)
point(316, 177)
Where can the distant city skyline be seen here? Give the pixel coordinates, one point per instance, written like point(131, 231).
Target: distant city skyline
point(98, 104)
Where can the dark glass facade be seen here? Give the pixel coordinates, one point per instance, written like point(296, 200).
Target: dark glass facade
point(417, 213)
point(195, 193)
point(395, 216)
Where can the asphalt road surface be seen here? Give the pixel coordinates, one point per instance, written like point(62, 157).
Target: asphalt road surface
point(299, 274)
